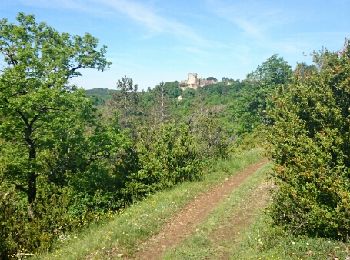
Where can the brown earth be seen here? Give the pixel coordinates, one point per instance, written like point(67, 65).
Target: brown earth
point(184, 223)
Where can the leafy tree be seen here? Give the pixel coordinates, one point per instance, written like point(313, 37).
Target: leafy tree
point(258, 90)
point(126, 101)
point(211, 138)
point(160, 102)
point(37, 103)
point(172, 89)
point(311, 149)
point(274, 71)
point(109, 159)
point(100, 96)
point(212, 78)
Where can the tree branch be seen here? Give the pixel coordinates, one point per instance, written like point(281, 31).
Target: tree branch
point(24, 118)
point(9, 55)
point(72, 70)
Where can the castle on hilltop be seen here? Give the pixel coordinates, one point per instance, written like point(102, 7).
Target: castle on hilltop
point(194, 82)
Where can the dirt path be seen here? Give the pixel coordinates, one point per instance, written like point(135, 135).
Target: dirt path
point(184, 223)
point(229, 232)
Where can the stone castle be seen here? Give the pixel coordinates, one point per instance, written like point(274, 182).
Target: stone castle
point(193, 81)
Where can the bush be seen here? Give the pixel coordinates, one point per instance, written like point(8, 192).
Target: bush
point(167, 156)
point(210, 136)
point(20, 234)
point(311, 148)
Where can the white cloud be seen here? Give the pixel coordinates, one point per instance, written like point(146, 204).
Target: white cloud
point(140, 12)
point(252, 17)
point(261, 25)
point(137, 12)
point(148, 17)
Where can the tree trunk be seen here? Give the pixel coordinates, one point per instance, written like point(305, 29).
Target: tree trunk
point(31, 177)
point(162, 113)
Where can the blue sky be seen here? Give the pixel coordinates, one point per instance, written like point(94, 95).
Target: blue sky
point(162, 40)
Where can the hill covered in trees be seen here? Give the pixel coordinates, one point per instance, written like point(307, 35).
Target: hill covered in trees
point(100, 95)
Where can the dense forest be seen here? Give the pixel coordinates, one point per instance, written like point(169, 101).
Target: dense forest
point(69, 157)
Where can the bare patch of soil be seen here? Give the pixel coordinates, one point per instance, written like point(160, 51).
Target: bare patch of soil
point(184, 223)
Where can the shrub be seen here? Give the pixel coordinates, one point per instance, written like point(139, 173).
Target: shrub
point(20, 234)
point(311, 148)
point(167, 156)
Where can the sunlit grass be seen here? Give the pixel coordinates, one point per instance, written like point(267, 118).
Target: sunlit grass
point(265, 241)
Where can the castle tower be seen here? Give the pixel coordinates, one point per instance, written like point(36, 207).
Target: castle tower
point(192, 81)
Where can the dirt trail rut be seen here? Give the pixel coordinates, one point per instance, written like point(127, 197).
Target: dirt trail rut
point(184, 223)
point(236, 223)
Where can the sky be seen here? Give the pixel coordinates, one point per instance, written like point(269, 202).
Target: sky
point(163, 40)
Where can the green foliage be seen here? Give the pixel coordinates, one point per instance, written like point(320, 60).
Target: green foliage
point(125, 103)
point(100, 96)
point(172, 89)
point(211, 138)
point(109, 159)
point(20, 235)
point(274, 71)
point(167, 156)
point(34, 96)
point(258, 89)
point(310, 145)
point(44, 126)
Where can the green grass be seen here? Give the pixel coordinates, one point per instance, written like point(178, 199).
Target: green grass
point(203, 244)
point(126, 230)
point(265, 241)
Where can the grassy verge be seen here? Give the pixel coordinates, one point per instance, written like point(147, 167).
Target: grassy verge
point(122, 234)
point(206, 242)
point(264, 241)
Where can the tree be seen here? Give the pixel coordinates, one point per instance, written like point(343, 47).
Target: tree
point(126, 100)
point(161, 104)
point(212, 79)
point(172, 89)
point(36, 99)
point(258, 90)
point(274, 71)
point(161, 101)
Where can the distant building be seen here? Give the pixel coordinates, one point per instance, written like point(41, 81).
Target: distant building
point(194, 82)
